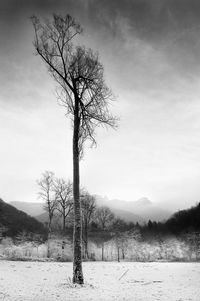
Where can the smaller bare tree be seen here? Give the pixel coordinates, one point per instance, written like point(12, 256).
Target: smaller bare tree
point(193, 240)
point(122, 239)
point(119, 237)
point(104, 218)
point(64, 198)
point(48, 195)
point(88, 206)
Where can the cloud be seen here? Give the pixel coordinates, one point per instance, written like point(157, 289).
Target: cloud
point(146, 46)
point(169, 27)
point(150, 50)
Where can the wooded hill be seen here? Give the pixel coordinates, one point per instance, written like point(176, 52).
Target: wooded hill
point(183, 221)
point(14, 221)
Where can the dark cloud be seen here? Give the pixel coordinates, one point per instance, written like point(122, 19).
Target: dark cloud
point(153, 20)
point(156, 16)
point(145, 35)
point(171, 26)
point(150, 19)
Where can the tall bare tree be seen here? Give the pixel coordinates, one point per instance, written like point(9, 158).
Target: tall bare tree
point(88, 206)
point(63, 192)
point(48, 195)
point(84, 94)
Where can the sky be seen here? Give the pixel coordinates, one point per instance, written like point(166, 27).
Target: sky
point(151, 56)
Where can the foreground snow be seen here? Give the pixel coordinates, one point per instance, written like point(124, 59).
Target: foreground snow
point(42, 281)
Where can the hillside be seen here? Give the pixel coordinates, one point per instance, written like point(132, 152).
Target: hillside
point(15, 221)
point(31, 208)
point(185, 220)
point(182, 222)
point(42, 218)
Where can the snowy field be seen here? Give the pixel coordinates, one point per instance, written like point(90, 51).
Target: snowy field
point(42, 281)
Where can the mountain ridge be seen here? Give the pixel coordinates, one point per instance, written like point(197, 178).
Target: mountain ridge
point(143, 207)
point(139, 211)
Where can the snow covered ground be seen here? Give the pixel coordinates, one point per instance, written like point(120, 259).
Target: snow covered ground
point(42, 281)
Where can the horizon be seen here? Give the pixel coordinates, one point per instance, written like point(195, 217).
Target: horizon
point(106, 199)
point(151, 56)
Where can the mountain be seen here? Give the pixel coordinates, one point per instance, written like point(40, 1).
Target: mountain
point(32, 209)
point(127, 216)
point(139, 211)
point(142, 208)
point(15, 221)
point(43, 217)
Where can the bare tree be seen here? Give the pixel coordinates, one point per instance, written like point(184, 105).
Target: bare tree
point(119, 236)
point(88, 206)
point(122, 238)
point(84, 94)
point(48, 195)
point(193, 239)
point(3, 230)
point(104, 218)
point(63, 192)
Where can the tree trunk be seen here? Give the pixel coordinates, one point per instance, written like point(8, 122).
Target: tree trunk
point(77, 254)
point(49, 236)
point(86, 241)
point(102, 254)
point(123, 254)
point(64, 217)
point(86, 250)
point(118, 258)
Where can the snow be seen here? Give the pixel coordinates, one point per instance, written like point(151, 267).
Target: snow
point(134, 281)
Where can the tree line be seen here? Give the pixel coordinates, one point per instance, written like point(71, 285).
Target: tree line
point(97, 222)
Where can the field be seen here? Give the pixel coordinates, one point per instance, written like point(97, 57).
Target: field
point(42, 281)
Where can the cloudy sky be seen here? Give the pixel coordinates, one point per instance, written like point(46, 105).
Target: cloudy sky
point(151, 54)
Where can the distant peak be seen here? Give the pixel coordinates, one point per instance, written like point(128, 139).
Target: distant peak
point(143, 202)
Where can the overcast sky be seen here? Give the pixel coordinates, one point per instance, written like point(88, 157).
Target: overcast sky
point(151, 54)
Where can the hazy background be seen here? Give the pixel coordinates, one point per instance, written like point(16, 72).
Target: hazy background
point(151, 54)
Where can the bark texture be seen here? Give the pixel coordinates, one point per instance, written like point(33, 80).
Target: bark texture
point(77, 258)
